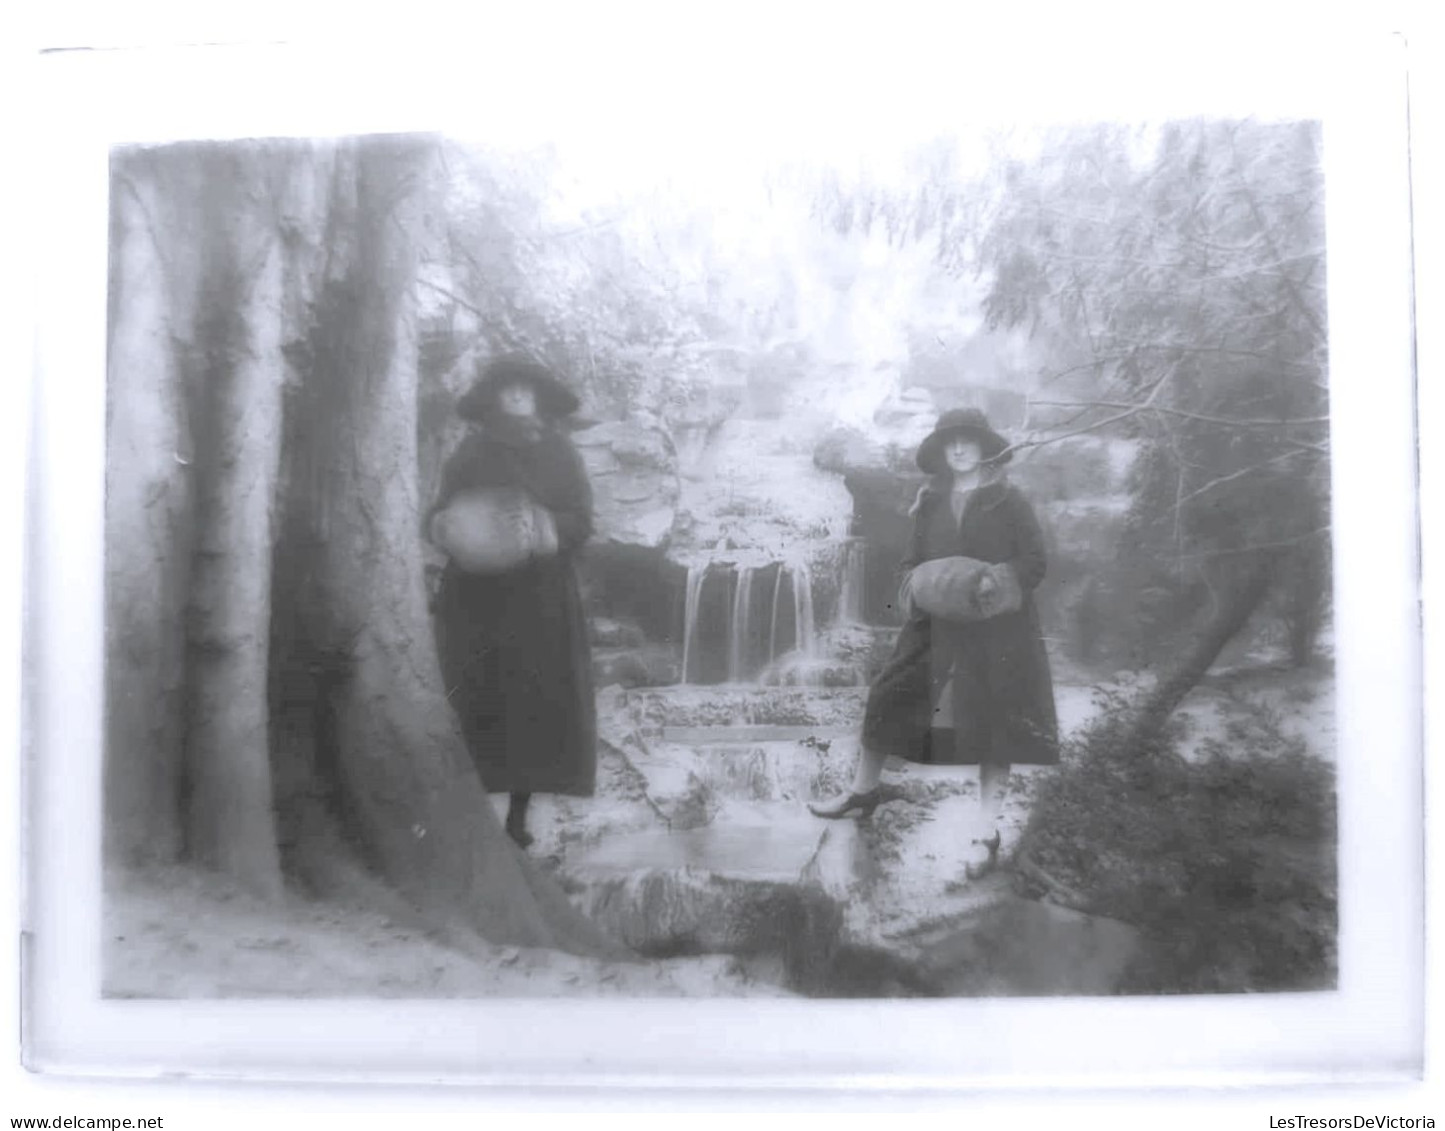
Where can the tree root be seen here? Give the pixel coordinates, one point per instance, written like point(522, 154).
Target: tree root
point(1054, 890)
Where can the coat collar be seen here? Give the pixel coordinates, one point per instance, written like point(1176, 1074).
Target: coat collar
point(989, 495)
point(516, 432)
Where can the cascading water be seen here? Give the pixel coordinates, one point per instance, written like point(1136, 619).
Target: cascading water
point(852, 582)
point(742, 621)
point(766, 564)
point(695, 575)
point(773, 624)
point(738, 620)
point(806, 635)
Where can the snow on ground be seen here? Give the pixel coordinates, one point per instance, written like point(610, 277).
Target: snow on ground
point(180, 933)
point(1302, 699)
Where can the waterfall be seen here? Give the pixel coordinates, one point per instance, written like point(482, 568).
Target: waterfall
point(773, 624)
point(852, 582)
point(803, 608)
point(695, 574)
point(732, 630)
point(741, 622)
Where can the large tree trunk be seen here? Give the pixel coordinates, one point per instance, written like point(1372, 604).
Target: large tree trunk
point(235, 349)
point(148, 556)
point(1249, 586)
point(266, 599)
point(408, 785)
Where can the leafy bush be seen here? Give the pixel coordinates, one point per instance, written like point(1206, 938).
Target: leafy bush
point(1226, 863)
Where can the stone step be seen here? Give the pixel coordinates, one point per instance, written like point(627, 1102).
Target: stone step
point(743, 734)
point(772, 851)
point(851, 909)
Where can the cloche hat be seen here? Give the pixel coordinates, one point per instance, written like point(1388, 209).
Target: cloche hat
point(554, 399)
point(969, 422)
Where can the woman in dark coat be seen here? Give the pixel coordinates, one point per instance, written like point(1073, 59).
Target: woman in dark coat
point(513, 645)
point(976, 693)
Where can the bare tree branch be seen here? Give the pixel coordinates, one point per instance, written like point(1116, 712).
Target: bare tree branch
point(1281, 545)
point(1236, 422)
point(456, 298)
point(1132, 410)
point(1272, 269)
point(1264, 228)
point(1241, 473)
point(1166, 347)
point(1076, 432)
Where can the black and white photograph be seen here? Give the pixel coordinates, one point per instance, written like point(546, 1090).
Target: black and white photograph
point(901, 574)
point(567, 563)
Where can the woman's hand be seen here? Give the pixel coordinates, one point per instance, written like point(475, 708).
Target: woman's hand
point(994, 588)
point(534, 525)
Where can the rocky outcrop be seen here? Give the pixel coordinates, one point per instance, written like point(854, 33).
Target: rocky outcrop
point(633, 466)
point(700, 911)
point(655, 712)
point(653, 665)
point(634, 585)
point(883, 489)
point(700, 842)
point(863, 909)
point(1009, 946)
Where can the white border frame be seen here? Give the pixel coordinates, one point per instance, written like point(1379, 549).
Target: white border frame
point(1374, 1020)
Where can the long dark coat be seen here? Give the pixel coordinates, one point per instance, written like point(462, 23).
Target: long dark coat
point(1002, 690)
point(513, 647)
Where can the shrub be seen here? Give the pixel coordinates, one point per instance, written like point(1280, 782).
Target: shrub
point(1226, 863)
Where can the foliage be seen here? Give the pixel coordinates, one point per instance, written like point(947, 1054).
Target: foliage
point(1225, 862)
point(1179, 278)
point(1170, 283)
point(661, 297)
point(937, 208)
point(597, 297)
point(1169, 280)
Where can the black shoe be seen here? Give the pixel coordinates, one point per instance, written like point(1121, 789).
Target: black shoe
point(519, 834)
point(861, 804)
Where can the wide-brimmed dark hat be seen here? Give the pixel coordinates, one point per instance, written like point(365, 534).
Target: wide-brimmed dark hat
point(554, 399)
point(968, 422)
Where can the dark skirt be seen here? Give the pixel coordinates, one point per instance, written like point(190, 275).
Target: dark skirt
point(517, 664)
point(1002, 695)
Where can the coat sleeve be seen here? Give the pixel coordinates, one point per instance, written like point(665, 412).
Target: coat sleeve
point(922, 509)
point(573, 513)
point(455, 475)
point(1029, 560)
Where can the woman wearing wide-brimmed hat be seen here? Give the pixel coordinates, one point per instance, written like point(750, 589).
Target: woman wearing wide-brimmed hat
point(514, 509)
point(968, 682)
